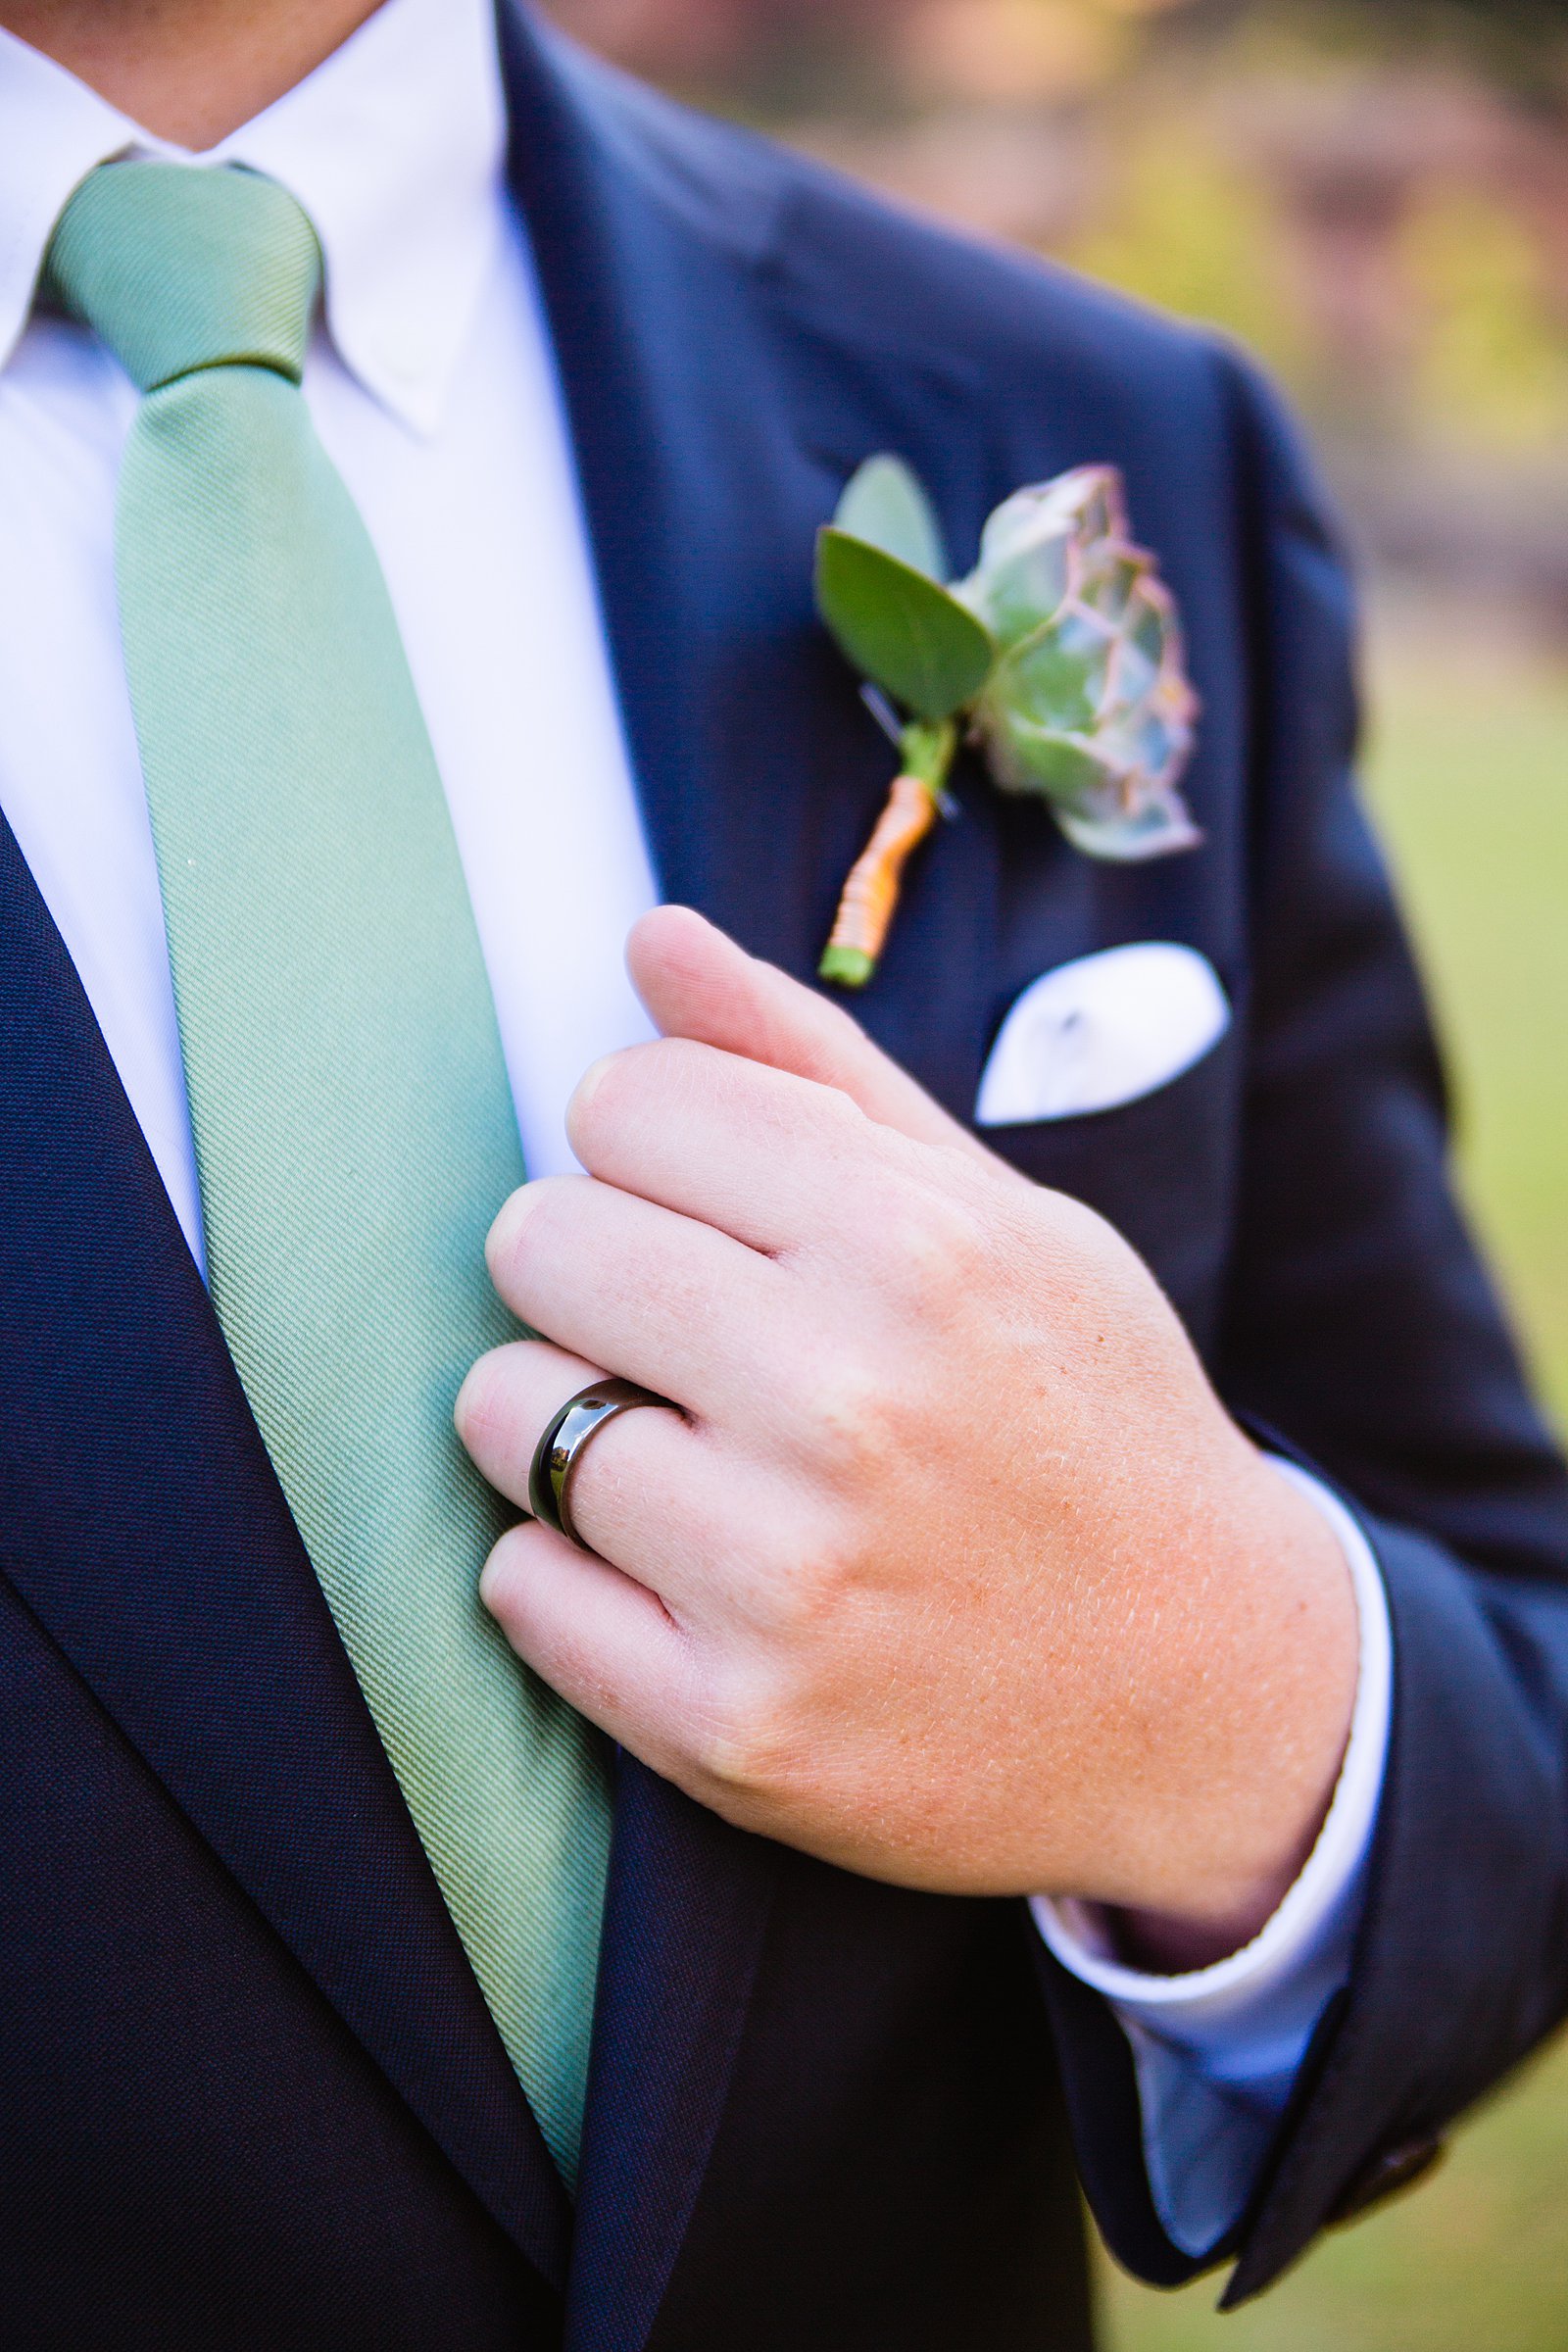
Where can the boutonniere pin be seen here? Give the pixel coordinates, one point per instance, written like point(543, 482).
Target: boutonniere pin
point(1059, 658)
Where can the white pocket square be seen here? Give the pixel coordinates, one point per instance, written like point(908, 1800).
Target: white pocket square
point(1100, 1031)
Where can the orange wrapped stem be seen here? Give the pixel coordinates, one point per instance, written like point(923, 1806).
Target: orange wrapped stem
point(871, 892)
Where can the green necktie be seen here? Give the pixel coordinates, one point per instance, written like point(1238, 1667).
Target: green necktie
point(353, 1125)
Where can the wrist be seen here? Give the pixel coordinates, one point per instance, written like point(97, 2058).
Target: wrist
point(1229, 1803)
point(1179, 1945)
point(1164, 1943)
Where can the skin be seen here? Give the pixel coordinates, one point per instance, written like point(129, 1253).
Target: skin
point(951, 1568)
point(190, 71)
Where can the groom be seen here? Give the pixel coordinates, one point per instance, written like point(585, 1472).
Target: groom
point(1068, 1661)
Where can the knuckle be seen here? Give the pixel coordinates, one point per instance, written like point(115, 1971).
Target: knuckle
point(504, 1578)
point(917, 1238)
point(745, 1743)
point(505, 1232)
point(833, 1041)
point(619, 1089)
point(806, 1587)
point(935, 1242)
point(849, 1414)
point(480, 1411)
point(846, 1127)
point(532, 1225)
point(842, 1027)
point(598, 1104)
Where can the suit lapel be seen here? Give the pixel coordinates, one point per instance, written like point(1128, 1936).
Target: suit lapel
point(147, 1532)
point(715, 421)
point(688, 1907)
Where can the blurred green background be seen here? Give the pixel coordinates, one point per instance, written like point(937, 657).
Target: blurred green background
point(1373, 194)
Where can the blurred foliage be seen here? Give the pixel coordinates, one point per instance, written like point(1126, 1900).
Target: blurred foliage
point(1180, 230)
point(1476, 342)
point(1520, 43)
point(783, 52)
point(1495, 363)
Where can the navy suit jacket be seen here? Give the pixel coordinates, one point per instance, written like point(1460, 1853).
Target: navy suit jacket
point(250, 2094)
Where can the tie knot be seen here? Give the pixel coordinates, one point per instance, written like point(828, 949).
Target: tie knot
point(180, 267)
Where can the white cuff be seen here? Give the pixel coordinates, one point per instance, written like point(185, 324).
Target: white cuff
point(1218, 2050)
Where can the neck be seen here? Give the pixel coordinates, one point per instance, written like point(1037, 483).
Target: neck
point(188, 71)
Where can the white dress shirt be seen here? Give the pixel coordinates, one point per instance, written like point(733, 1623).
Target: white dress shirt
point(431, 382)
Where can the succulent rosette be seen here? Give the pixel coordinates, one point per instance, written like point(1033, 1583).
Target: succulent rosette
point(1088, 703)
point(1060, 656)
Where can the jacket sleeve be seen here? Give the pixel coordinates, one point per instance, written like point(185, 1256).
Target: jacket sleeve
point(1362, 1334)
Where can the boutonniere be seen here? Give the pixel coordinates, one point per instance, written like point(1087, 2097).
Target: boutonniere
point(1059, 658)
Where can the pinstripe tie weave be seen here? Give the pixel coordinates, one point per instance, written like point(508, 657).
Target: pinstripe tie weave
point(353, 1124)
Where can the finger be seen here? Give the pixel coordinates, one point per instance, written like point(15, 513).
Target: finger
point(648, 1492)
point(604, 1642)
point(505, 1403)
point(696, 983)
point(767, 1157)
point(622, 1281)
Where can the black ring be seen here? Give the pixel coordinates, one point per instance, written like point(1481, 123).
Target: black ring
point(560, 1449)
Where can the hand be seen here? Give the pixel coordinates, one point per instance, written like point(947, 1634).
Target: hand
point(950, 1569)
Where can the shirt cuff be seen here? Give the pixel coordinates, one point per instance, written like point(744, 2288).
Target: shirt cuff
point(1216, 2052)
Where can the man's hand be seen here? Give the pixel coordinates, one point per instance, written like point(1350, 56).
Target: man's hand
point(950, 1569)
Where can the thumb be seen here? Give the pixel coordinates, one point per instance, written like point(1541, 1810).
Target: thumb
point(696, 983)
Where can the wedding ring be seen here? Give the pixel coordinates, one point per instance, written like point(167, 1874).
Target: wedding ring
point(561, 1448)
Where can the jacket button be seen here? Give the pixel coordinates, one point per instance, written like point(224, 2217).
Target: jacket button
point(1390, 2171)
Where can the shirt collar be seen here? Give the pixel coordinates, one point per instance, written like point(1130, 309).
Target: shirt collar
point(395, 146)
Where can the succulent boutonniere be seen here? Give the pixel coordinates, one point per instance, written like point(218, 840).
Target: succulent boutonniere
point(1059, 658)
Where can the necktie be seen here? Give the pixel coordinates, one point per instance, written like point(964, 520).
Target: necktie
point(353, 1124)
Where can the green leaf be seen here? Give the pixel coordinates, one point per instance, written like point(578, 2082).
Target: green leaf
point(886, 506)
point(899, 628)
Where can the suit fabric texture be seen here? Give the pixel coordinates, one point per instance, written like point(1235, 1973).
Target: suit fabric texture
point(251, 2094)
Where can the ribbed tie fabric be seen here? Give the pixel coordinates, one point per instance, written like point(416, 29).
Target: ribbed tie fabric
point(354, 1129)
